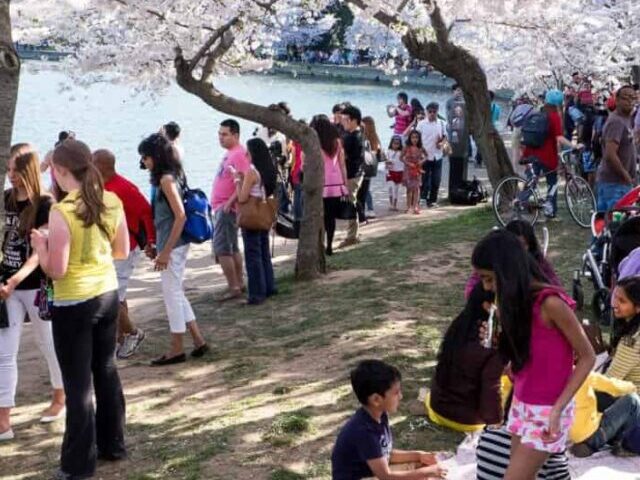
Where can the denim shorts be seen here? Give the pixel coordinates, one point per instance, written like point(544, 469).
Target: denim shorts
point(225, 234)
point(609, 194)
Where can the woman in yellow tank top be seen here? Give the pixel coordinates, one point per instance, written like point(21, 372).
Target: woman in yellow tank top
point(87, 230)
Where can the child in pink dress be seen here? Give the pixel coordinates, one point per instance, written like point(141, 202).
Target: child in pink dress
point(540, 338)
point(413, 157)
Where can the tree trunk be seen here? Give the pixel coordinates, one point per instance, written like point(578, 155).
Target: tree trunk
point(9, 81)
point(635, 74)
point(457, 63)
point(310, 260)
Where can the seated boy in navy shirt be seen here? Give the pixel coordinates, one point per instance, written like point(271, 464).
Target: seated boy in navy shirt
point(364, 447)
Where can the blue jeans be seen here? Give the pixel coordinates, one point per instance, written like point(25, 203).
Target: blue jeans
point(552, 182)
point(298, 202)
point(369, 201)
point(431, 180)
point(609, 193)
point(616, 421)
point(257, 258)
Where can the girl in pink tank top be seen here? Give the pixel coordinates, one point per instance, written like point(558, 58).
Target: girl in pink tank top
point(540, 337)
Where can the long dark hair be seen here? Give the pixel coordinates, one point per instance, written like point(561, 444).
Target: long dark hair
point(261, 159)
point(501, 253)
point(411, 133)
point(327, 133)
point(76, 157)
point(522, 228)
point(463, 330)
point(165, 159)
point(623, 327)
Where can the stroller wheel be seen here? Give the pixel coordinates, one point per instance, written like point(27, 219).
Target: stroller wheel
point(577, 293)
point(601, 306)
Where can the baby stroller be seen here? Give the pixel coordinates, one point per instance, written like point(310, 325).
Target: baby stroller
point(616, 234)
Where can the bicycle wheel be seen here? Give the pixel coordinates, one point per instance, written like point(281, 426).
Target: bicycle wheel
point(580, 201)
point(513, 200)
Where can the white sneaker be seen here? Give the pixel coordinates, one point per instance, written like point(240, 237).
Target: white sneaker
point(370, 214)
point(130, 344)
point(6, 436)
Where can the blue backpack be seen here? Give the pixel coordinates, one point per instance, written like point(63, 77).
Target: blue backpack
point(535, 129)
point(198, 227)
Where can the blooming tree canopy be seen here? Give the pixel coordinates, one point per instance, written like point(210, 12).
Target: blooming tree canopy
point(520, 44)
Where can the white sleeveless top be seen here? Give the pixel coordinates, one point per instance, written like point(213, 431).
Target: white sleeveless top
point(257, 190)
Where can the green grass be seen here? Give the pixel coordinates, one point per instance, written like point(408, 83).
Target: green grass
point(241, 411)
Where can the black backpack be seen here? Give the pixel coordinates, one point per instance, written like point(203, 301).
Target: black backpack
point(467, 193)
point(535, 129)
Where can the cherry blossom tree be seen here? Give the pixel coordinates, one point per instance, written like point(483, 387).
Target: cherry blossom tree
point(516, 44)
point(151, 43)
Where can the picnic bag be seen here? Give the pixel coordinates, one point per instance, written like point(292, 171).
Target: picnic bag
point(286, 226)
point(258, 213)
point(346, 210)
point(467, 193)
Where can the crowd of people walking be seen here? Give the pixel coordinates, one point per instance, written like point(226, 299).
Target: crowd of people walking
point(69, 254)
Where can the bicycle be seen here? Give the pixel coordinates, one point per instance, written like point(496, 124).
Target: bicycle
point(517, 198)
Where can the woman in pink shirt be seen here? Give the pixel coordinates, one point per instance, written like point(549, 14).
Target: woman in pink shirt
point(540, 338)
point(335, 173)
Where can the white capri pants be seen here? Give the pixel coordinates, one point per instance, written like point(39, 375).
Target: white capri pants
point(22, 302)
point(179, 309)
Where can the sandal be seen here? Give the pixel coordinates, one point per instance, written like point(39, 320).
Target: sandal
point(230, 295)
point(164, 360)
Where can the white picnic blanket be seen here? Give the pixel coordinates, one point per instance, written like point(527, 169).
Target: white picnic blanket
point(601, 466)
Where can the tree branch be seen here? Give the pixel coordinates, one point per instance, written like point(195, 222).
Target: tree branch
point(437, 23)
point(161, 16)
point(217, 34)
point(226, 42)
point(382, 17)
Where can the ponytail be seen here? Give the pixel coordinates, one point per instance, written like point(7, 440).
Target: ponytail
point(91, 192)
point(90, 208)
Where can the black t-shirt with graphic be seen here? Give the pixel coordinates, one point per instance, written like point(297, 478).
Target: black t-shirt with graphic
point(16, 249)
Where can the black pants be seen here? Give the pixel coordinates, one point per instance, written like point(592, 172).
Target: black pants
point(361, 199)
point(331, 208)
point(84, 336)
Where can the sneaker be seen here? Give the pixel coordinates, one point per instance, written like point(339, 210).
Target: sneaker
point(130, 344)
point(6, 436)
point(370, 214)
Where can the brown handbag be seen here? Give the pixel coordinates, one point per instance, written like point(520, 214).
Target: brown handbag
point(258, 213)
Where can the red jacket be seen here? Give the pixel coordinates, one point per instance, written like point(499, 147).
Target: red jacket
point(548, 152)
point(137, 209)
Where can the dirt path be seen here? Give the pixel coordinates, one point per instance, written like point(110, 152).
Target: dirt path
point(281, 363)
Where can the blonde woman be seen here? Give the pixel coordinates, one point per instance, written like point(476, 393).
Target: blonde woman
point(25, 208)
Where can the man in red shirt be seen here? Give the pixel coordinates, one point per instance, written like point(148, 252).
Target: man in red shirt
point(142, 234)
point(547, 155)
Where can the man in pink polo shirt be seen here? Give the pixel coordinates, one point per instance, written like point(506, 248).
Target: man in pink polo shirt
point(224, 204)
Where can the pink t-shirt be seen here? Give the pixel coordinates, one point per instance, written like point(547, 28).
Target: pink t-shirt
point(402, 121)
point(333, 182)
point(223, 186)
point(550, 363)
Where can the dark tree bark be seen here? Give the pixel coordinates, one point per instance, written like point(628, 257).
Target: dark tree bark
point(458, 63)
point(9, 81)
point(310, 259)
